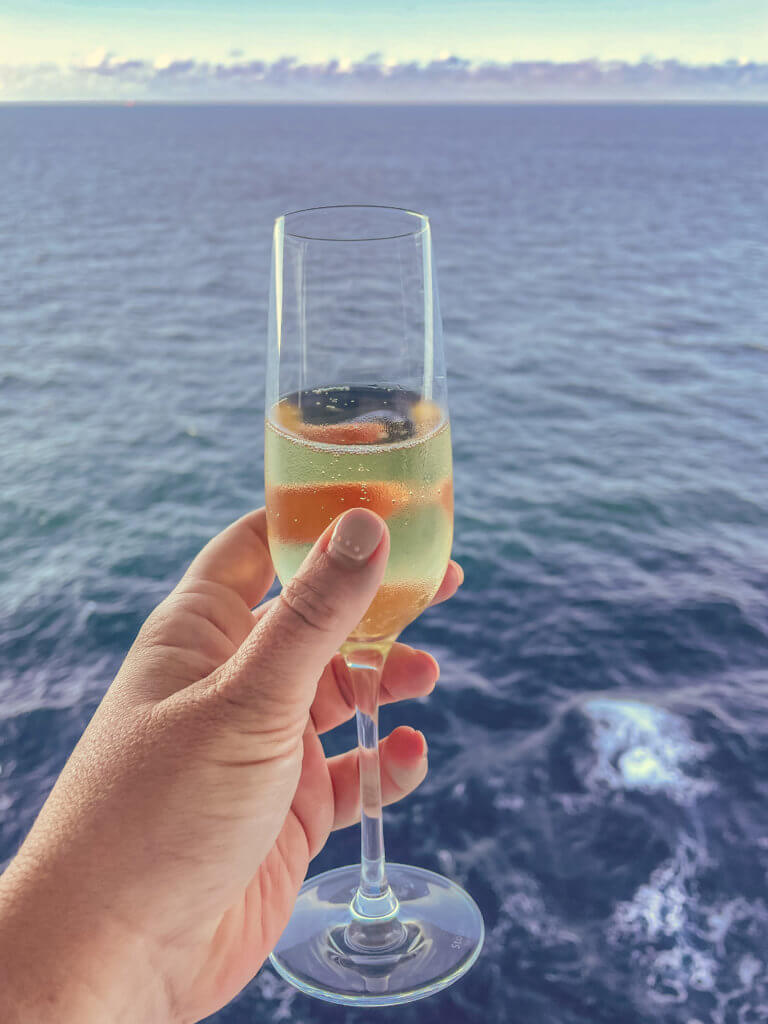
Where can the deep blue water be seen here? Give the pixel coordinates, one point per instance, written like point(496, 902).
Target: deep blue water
point(599, 737)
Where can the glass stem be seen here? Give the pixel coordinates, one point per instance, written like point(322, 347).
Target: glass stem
point(374, 906)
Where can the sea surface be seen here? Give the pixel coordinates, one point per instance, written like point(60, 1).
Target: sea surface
point(599, 736)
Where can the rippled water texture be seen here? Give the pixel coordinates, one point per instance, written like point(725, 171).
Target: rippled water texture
point(599, 767)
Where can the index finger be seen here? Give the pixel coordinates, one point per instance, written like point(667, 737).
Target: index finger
point(454, 577)
point(237, 558)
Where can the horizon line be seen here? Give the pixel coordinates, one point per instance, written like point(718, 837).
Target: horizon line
point(658, 101)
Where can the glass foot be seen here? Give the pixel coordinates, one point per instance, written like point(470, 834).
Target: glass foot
point(328, 952)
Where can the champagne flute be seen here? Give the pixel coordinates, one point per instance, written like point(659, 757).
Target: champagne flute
point(356, 415)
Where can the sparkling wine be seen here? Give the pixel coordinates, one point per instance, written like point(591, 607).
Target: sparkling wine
point(382, 448)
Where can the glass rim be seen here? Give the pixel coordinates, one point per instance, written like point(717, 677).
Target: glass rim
point(421, 217)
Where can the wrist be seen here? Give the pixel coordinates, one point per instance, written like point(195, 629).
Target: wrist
point(60, 961)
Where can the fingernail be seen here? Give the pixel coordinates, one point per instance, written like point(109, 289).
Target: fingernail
point(425, 751)
point(355, 537)
point(461, 573)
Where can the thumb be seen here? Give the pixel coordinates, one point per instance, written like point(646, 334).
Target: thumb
point(276, 669)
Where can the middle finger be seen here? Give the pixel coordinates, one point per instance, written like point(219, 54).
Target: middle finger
point(407, 673)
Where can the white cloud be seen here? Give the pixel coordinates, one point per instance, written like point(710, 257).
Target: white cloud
point(96, 58)
point(104, 75)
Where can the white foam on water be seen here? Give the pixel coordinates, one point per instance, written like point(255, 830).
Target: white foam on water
point(660, 906)
point(678, 941)
point(749, 968)
point(683, 948)
point(277, 996)
point(643, 747)
point(524, 907)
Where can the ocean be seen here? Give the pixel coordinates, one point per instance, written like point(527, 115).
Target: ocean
point(599, 735)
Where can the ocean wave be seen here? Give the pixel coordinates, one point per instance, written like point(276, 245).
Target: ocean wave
point(640, 746)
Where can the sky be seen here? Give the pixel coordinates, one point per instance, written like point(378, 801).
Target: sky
point(81, 49)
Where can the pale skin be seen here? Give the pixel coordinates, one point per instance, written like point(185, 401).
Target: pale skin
point(165, 863)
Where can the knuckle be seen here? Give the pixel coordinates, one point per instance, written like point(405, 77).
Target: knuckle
point(158, 617)
point(257, 731)
point(157, 624)
point(309, 604)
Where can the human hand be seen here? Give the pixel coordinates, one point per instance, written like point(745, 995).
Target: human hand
point(166, 861)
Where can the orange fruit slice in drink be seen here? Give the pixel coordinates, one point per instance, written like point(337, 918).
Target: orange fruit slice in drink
point(426, 415)
point(288, 416)
point(445, 495)
point(395, 605)
point(299, 514)
point(362, 432)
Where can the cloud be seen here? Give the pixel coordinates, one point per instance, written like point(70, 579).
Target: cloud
point(104, 75)
point(176, 69)
point(115, 67)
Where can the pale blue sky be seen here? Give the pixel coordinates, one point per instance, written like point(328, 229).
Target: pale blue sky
point(695, 31)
